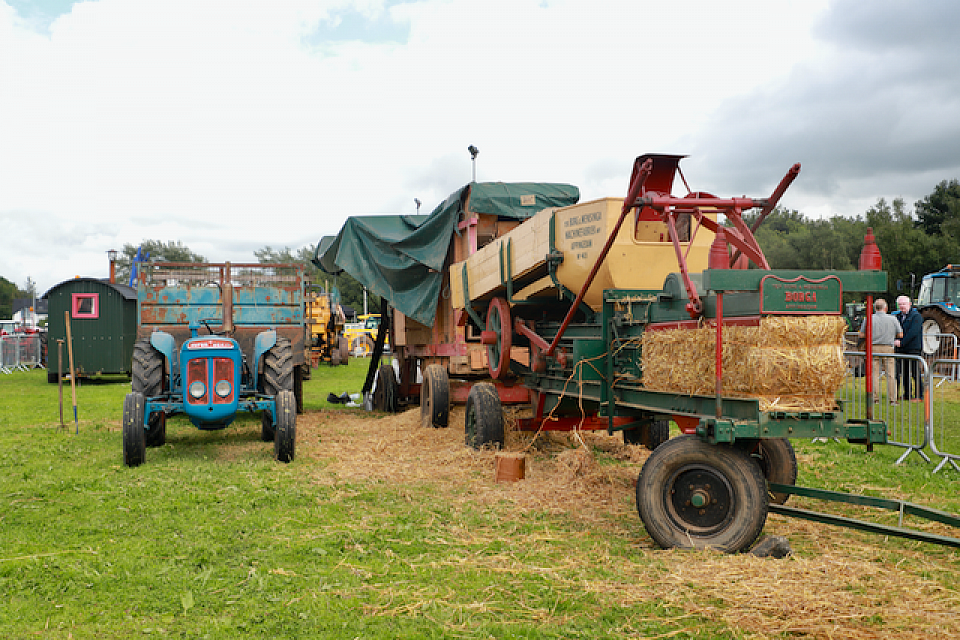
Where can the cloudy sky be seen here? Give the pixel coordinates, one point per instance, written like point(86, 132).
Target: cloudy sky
point(230, 125)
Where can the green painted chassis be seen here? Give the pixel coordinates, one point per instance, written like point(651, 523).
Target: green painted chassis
point(603, 370)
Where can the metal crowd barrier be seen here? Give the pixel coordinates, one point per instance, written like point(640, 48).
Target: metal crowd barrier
point(20, 352)
point(943, 436)
point(945, 354)
point(908, 422)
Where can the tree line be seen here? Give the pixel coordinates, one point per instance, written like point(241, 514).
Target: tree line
point(912, 243)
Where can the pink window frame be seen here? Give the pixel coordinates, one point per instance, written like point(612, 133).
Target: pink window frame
point(78, 298)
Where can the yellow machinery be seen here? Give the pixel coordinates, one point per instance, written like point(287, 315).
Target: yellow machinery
point(362, 335)
point(325, 321)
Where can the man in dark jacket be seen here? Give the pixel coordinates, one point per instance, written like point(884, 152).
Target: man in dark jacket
point(908, 370)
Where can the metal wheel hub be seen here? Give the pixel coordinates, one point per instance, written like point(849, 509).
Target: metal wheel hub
point(699, 500)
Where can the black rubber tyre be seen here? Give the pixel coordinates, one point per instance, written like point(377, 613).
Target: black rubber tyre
point(387, 390)
point(278, 372)
point(134, 440)
point(285, 438)
point(147, 371)
point(298, 385)
point(695, 495)
point(651, 436)
point(156, 435)
point(362, 346)
point(267, 431)
point(344, 347)
point(777, 460)
point(483, 419)
point(435, 397)
point(52, 377)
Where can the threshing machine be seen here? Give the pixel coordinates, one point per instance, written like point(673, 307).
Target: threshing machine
point(214, 340)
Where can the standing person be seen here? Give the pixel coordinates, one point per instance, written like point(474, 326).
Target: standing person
point(886, 330)
point(908, 371)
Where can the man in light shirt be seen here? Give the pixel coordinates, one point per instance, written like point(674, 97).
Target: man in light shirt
point(886, 330)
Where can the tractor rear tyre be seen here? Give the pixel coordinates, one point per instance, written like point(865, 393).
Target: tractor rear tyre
point(134, 440)
point(936, 321)
point(650, 436)
point(691, 494)
point(147, 374)
point(278, 372)
point(435, 397)
point(285, 438)
point(777, 460)
point(387, 390)
point(483, 419)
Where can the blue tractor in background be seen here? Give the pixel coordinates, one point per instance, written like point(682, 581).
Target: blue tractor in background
point(215, 340)
point(937, 303)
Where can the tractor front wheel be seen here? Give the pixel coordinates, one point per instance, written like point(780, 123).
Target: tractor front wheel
point(435, 397)
point(483, 419)
point(134, 439)
point(267, 432)
point(691, 494)
point(156, 435)
point(285, 438)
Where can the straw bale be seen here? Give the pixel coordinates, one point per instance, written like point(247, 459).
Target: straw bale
point(790, 363)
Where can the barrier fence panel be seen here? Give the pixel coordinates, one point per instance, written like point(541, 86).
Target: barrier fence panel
point(20, 352)
point(907, 421)
point(944, 432)
point(941, 348)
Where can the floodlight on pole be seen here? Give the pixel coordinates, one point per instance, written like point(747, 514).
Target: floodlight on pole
point(473, 156)
point(112, 256)
point(417, 200)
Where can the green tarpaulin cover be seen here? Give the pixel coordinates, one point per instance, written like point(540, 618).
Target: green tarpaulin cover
point(401, 258)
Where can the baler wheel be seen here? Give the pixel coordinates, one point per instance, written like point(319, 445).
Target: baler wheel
point(498, 354)
point(387, 391)
point(691, 494)
point(651, 437)
point(285, 438)
point(435, 397)
point(777, 460)
point(483, 417)
point(134, 437)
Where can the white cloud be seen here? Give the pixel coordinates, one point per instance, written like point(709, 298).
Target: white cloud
point(229, 126)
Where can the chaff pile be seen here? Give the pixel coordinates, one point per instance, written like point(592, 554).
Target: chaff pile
point(789, 363)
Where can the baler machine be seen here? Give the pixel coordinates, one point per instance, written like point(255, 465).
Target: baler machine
point(586, 340)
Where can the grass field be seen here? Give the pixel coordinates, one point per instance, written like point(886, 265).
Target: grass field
point(383, 529)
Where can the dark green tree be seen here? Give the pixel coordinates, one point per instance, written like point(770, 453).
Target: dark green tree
point(159, 251)
point(8, 292)
point(351, 291)
point(939, 212)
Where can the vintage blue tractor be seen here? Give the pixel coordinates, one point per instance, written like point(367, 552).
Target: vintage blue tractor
point(937, 303)
point(183, 363)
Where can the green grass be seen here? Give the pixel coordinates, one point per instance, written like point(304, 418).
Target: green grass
point(213, 539)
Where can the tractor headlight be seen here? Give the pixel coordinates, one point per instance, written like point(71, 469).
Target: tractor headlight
point(222, 388)
point(197, 389)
